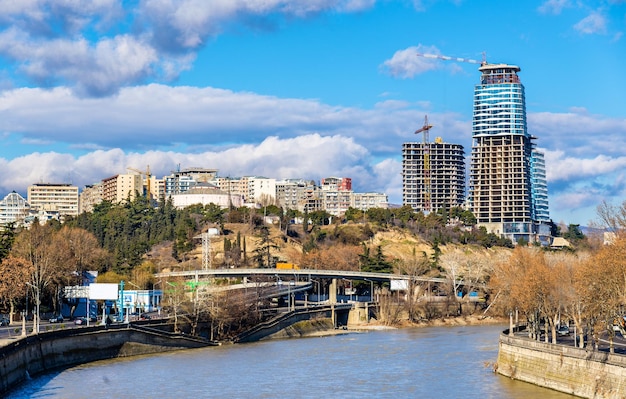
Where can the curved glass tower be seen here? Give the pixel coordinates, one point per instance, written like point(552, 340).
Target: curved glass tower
point(500, 192)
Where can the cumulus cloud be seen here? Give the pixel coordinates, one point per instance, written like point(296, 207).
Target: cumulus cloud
point(594, 23)
point(52, 41)
point(309, 156)
point(158, 116)
point(554, 6)
point(407, 64)
point(563, 167)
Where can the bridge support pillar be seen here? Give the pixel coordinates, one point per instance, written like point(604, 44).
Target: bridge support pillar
point(332, 291)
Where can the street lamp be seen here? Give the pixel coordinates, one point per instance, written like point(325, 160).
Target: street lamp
point(155, 299)
point(136, 305)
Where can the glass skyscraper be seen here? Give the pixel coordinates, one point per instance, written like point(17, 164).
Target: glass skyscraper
point(539, 187)
point(501, 181)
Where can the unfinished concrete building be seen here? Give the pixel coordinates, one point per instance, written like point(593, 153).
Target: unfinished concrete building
point(433, 175)
point(501, 192)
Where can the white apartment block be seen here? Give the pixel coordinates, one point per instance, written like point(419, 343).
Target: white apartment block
point(261, 190)
point(61, 198)
point(205, 196)
point(365, 201)
point(13, 209)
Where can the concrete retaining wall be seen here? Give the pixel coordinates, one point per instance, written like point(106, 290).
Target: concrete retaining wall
point(45, 352)
point(575, 371)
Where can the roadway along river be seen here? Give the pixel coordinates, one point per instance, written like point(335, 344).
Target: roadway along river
point(438, 362)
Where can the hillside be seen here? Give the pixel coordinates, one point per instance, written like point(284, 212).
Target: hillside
point(396, 244)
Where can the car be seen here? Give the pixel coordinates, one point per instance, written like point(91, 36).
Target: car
point(56, 319)
point(80, 321)
point(4, 321)
point(145, 316)
point(563, 330)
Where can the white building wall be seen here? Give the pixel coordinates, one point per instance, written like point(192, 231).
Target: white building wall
point(223, 200)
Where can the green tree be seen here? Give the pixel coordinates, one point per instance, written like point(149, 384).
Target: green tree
point(265, 246)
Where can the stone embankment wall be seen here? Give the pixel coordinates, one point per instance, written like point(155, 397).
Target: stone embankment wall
point(588, 374)
point(44, 352)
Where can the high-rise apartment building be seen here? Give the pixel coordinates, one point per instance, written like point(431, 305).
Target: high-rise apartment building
point(433, 175)
point(60, 198)
point(539, 187)
point(501, 185)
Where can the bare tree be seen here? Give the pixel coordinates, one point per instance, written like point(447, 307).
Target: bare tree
point(15, 274)
point(40, 248)
point(612, 217)
point(414, 267)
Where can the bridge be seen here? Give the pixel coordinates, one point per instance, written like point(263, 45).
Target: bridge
point(297, 274)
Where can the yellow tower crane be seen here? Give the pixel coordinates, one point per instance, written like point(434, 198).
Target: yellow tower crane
point(427, 181)
point(148, 176)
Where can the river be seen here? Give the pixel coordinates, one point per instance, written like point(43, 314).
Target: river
point(437, 362)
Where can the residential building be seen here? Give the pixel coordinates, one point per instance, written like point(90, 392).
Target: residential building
point(337, 184)
point(89, 197)
point(60, 198)
point(261, 190)
point(298, 194)
point(500, 193)
point(13, 209)
point(365, 201)
point(539, 187)
point(433, 175)
point(182, 180)
point(206, 195)
point(125, 187)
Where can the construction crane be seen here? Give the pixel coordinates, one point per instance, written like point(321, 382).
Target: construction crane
point(427, 181)
point(447, 58)
point(148, 176)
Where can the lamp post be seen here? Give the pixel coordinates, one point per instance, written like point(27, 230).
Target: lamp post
point(136, 304)
point(156, 300)
point(367, 309)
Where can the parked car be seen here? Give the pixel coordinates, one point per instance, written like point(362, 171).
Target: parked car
point(4, 321)
point(145, 316)
point(80, 321)
point(56, 319)
point(563, 330)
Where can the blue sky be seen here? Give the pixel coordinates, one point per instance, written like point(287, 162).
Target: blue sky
point(303, 89)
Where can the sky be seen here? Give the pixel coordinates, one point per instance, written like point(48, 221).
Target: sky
point(304, 88)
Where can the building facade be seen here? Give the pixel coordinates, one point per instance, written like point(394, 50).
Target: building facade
point(500, 193)
point(121, 188)
point(90, 197)
point(433, 175)
point(60, 198)
point(13, 209)
point(539, 187)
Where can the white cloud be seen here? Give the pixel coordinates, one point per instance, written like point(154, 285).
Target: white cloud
point(406, 63)
point(562, 167)
point(594, 23)
point(554, 6)
point(51, 40)
point(157, 116)
point(309, 156)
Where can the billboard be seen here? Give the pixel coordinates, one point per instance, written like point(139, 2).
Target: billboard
point(399, 285)
point(103, 291)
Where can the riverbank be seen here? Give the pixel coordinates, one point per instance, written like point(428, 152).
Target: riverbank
point(324, 327)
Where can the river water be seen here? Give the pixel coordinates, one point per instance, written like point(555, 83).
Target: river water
point(437, 362)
